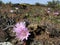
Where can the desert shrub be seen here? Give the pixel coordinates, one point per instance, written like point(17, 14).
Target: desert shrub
point(24, 6)
point(9, 3)
point(1, 2)
point(37, 4)
point(54, 3)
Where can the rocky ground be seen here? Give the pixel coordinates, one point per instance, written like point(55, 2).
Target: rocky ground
point(44, 26)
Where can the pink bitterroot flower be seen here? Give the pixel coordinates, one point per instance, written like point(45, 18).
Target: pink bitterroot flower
point(21, 31)
point(49, 8)
point(48, 11)
point(56, 13)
